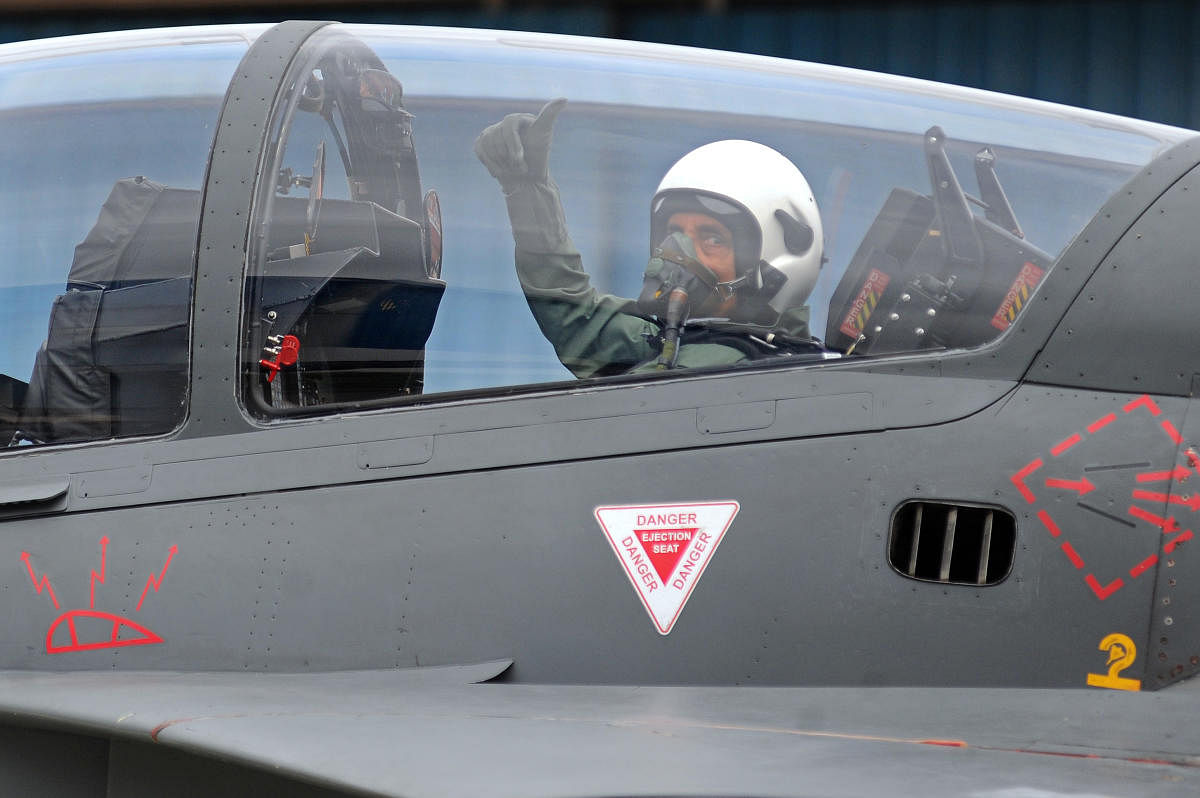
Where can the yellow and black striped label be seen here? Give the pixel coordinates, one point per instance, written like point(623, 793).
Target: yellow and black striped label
point(865, 303)
point(1017, 296)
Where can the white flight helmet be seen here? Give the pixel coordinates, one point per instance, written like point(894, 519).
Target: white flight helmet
point(765, 201)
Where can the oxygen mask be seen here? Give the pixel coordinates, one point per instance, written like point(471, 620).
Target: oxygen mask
point(674, 267)
point(675, 283)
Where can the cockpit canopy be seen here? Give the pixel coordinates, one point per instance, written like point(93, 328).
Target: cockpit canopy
point(943, 210)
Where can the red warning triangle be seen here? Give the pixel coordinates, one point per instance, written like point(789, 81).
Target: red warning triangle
point(664, 549)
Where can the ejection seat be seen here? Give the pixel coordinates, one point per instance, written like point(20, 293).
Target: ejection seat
point(114, 362)
point(930, 273)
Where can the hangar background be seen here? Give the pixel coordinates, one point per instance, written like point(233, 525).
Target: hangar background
point(1127, 57)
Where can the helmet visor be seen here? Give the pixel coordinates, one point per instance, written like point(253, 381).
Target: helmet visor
point(747, 238)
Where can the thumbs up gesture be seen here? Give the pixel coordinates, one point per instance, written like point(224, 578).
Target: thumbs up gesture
point(517, 148)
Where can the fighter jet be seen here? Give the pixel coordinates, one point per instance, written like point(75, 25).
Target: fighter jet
point(430, 412)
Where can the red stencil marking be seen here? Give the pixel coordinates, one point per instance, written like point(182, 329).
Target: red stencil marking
point(1143, 566)
point(90, 629)
point(100, 576)
point(1167, 525)
point(1172, 433)
point(1072, 555)
point(1067, 444)
point(1083, 486)
point(157, 583)
point(1104, 592)
point(1049, 523)
point(1178, 472)
point(1169, 546)
point(39, 584)
point(1018, 479)
point(108, 631)
point(1143, 401)
point(1192, 502)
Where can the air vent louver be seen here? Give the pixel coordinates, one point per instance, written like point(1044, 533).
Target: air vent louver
point(952, 543)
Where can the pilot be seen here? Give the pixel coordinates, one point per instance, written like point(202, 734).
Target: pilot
point(737, 248)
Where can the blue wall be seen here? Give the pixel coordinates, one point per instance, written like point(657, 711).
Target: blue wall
point(1134, 58)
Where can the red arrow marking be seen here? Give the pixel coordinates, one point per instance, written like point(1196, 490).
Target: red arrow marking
point(1051, 527)
point(1167, 525)
point(1143, 401)
point(1018, 479)
point(1104, 592)
point(1101, 423)
point(1172, 433)
point(1192, 503)
point(1072, 555)
point(157, 583)
point(38, 584)
point(99, 577)
point(1143, 566)
point(1082, 487)
point(1170, 545)
point(1065, 445)
point(1178, 472)
point(1193, 460)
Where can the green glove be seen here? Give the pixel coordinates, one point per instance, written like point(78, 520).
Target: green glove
point(516, 149)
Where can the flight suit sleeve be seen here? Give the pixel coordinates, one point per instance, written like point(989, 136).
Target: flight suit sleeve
point(593, 334)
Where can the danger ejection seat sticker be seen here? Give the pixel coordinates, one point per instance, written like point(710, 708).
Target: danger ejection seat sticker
point(664, 549)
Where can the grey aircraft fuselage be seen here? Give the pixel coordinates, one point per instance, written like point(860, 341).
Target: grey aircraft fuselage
point(238, 566)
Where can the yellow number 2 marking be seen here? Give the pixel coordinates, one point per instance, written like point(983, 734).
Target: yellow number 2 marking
point(1121, 654)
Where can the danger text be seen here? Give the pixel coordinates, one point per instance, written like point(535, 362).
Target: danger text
point(639, 564)
point(692, 561)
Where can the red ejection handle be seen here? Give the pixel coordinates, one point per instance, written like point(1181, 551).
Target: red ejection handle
point(286, 354)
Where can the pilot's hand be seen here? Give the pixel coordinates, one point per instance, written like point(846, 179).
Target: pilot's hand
point(517, 148)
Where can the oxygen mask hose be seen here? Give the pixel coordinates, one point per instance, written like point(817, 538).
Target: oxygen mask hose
point(677, 303)
point(674, 278)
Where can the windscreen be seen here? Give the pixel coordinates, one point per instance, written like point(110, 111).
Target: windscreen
point(944, 208)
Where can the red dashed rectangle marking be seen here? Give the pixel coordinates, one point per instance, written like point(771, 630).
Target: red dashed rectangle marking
point(1018, 479)
point(1172, 433)
point(1048, 522)
point(1065, 445)
point(1143, 566)
point(1072, 555)
point(1143, 401)
point(1169, 525)
point(1103, 592)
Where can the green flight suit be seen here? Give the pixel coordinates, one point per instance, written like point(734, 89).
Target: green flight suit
point(598, 334)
